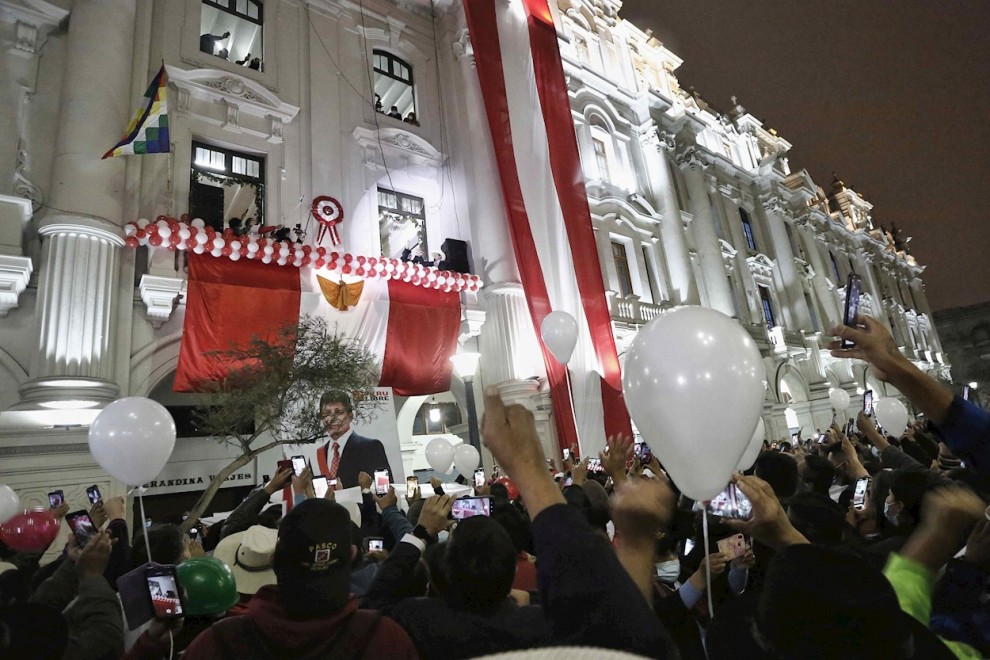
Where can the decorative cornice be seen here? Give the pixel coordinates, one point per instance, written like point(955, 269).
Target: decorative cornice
point(399, 143)
point(15, 273)
point(160, 295)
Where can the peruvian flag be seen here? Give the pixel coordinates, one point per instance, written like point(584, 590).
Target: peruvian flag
point(411, 329)
point(532, 131)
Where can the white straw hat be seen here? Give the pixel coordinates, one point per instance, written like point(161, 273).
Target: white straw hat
point(249, 555)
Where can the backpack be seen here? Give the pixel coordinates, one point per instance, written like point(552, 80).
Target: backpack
point(239, 637)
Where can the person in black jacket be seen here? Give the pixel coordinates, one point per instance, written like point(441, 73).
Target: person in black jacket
point(473, 614)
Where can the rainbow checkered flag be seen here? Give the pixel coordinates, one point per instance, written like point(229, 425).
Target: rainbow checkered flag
point(148, 132)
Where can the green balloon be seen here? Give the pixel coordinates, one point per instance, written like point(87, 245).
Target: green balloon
point(208, 585)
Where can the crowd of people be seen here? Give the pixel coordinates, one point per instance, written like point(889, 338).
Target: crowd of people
point(858, 545)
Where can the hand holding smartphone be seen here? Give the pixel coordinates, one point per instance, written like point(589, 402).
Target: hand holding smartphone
point(382, 481)
point(868, 402)
point(733, 546)
point(163, 591)
point(82, 526)
point(298, 465)
point(479, 478)
point(731, 503)
point(374, 543)
point(56, 498)
point(320, 486)
point(466, 507)
point(412, 487)
point(859, 494)
point(94, 494)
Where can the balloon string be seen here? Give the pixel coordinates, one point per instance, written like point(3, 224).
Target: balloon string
point(144, 525)
point(708, 563)
point(570, 395)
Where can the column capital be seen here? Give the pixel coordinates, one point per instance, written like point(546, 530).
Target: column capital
point(159, 295)
point(82, 225)
point(693, 160)
point(772, 204)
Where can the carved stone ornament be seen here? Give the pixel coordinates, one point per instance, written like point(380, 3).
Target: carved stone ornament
point(691, 158)
point(463, 50)
point(773, 204)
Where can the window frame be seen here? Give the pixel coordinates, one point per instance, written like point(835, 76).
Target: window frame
point(233, 12)
point(622, 274)
point(766, 303)
point(747, 225)
point(394, 61)
point(229, 154)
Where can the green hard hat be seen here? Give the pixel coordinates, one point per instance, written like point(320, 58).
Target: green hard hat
point(208, 586)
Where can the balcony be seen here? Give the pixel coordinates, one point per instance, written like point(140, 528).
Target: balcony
point(631, 310)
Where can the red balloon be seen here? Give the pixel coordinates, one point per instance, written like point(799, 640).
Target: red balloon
point(160, 218)
point(320, 263)
point(334, 256)
point(332, 265)
point(191, 244)
point(184, 218)
point(305, 261)
point(155, 239)
point(361, 259)
point(509, 486)
point(346, 270)
point(348, 258)
point(322, 251)
point(30, 531)
point(415, 279)
point(132, 241)
point(307, 249)
point(372, 273)
point(226, 251)
point(174, 239)
point(394, 262)
point(140, 233)
point(372, 261)
point(360, 271)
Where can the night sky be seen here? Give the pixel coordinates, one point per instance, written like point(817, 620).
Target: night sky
point(892, 96)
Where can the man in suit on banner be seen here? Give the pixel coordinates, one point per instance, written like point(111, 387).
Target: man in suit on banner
point(345, 453)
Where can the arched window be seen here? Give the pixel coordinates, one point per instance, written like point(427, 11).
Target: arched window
point(395, 94)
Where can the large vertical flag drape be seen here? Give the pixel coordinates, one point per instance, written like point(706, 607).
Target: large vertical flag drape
point(411, 330)
point(148, 131)
point(529, 117)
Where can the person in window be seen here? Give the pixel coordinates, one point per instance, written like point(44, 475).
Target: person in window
point(245, 60)
point(223, 53)
point(255, 64)
point(208, 43)
point(394, 112)
point(378, 103)
point(411, 119)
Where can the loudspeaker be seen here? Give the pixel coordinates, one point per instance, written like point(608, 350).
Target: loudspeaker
point(455, 256)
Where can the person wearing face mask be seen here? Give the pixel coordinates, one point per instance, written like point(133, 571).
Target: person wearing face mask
point(901, 511)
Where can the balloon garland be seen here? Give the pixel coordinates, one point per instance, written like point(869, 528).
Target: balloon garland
point(196, 237)
point(328, 212)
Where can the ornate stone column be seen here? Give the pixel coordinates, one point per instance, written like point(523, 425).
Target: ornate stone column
point(796, 308)
point(510, 350)
point(683, 288)
point(703, 226)
point(806, 231)
point(74, 363)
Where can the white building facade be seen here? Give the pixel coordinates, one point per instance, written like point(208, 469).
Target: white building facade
point(690, 205)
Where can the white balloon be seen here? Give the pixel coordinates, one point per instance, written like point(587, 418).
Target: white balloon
point(234, 256)
point(439, 454)
point(694, 385)
point(10, 504)
point(142, 222)
point(132, 439)
point(235, 245)
point(216, 252)
point(184, 233)
point(559, 331)
point(129, 229)
point(755, 445)
point(892, 415)
point(199, 249)
point(267, 259)
point(218, 243)
point(201, 238)
point(269, 250)
point(466, 459)
point(839, 399)
point(198, 223)
point(164, 231)
point(252, 247)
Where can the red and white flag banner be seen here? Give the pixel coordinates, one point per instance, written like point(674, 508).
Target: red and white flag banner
point(520, 72)
point(411, 330)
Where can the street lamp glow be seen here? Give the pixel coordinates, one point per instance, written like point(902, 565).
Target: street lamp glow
point(465, 364)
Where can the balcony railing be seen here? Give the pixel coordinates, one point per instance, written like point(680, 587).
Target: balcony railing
point(632, 310)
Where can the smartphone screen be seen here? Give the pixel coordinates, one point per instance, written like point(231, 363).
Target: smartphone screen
point(375, 543)
point(56, 498)
point(412, 486)
point(795, 439)
point(82, 526)
point(479, 478)
point(298, 465)
point(731, 503)
point(965, 393)
point(163, 590)
point(868, 402)
point(850, 428)
point(688, 546)
point(466, 507)
point(93, 493)
point(854, 286)
point(859, 495)
point(283, 465)
point(147, 522)
point(567, 454)
point(594, 465)
point(320, 486)
point(381, 482)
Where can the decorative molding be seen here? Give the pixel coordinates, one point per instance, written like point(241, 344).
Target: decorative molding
point(463, 49)
point(693, 159)
point(15, 273)
point(761, 264)
point(33, 20)
point(397, 143)
point(242, 94)
point(773, 204)
point(471, 322)
point(160, 296)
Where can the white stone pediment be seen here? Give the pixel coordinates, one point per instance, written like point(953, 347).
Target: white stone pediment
point(250, 97)
point(761, 263)
point(399, 143)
